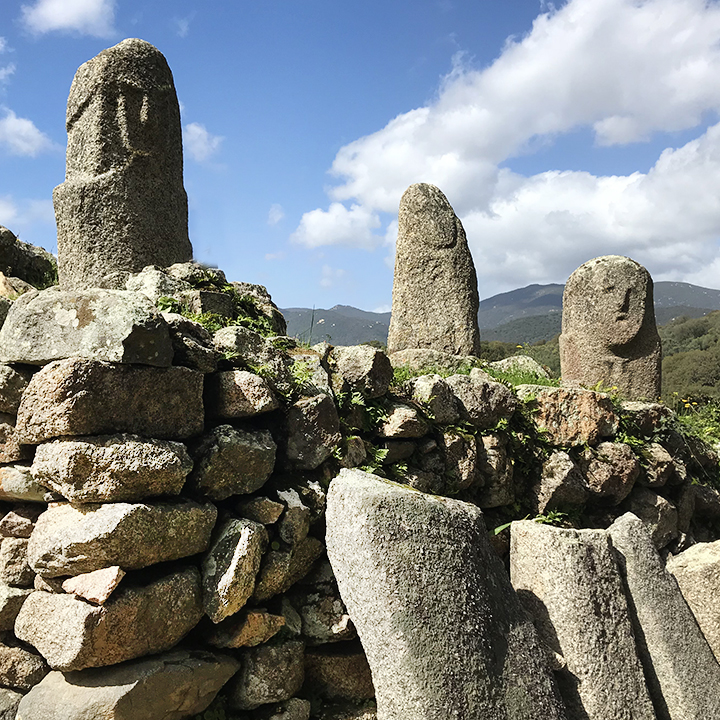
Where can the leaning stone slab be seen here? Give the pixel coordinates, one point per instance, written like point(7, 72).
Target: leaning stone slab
point(697, 572)
point(112, 325)
point(122, 205)
point(569, 582)
point(72, 540)
point(166, 687)
point(443, 630)
point(571, 416)
point(230, 461)
point(230, 567)
point(72, 634)
point(111, 468)
point(673, 649)
point(89, 397)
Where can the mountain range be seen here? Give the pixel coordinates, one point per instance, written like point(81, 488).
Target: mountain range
point(528, 314)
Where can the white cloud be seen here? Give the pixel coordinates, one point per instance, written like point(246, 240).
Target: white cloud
point(275, 214)
point(383, 309)
point(624, 68)
point(182, 25)
point(87, 17)
point(199, 143)
point(21, 137)
point(6, 72)
point(8, 212)
point(270, 257)
point(331, 276)
point(338, 226)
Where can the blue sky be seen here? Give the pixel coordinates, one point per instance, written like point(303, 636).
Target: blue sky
point(559, 132)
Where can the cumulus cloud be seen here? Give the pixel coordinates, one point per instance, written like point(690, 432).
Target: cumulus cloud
point(182, 25)
point(87, 17)
point(275, 214)
point(21, 137)
point(626, 69)
point(199, 143)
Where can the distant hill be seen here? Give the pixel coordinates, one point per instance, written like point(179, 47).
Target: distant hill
point(526, 315)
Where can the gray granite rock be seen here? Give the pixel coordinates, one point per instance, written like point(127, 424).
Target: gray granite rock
point(658, 514)
point(570, 584)
point(192, 344)
point(496, 470)
point(673, 649)
point(520, 363)
point(363, 369)
point(111, 468)
point(246, 629)
point(172, 686)
point(230, 461)
point(14, 568)
point(610, 470)
point(89, 397)
point(11, 449)
point(609, 334)
point(444, 633)
point(11, 600)
point(9, 701)
point(122, 205)
point(403, 421)
point(435, 396)
point(20, 669)
point(230, 567)
point(269, 673)
point(561, 484)
point(339, 673)
point(481, 402)
point(72, 540)
point(313, 431)
point(435, 295)
point(238, 394)
point(28, 262)
point(111, 325)
point(72, 634)
point(12, 385)
point(18, 484)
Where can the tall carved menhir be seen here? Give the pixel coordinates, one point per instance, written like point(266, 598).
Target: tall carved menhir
point(122, 205)
point(435, 296)
point(609, 334)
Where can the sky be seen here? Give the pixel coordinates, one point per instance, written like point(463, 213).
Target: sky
point(558, 131)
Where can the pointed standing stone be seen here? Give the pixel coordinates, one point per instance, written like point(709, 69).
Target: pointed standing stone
point(122, 205)
point(435, 296)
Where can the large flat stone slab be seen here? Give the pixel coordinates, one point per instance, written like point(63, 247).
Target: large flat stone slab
point(673, 649)
point(72, 634)
point(113, 325)
point(569, 582)
point(89, 397)
point(166, 687)
point(111, 468)
point(443, 630)
point(72, 540)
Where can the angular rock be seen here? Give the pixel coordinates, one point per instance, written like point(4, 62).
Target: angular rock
point(365, 369)
point(646, 417)
point(673, 649)
point(354, 452)
point(281, 569)
point(197, 273)
point(313, 428)
point(10, 448)
point(480, 402)
point(238, 394)
point(520, 363)
point(659, 515)
point(261, 509)
point(610, 470)
point(345, 674)
point(436, 397)
point(20, 669)
point(254, 627)
point(433, 606)
point(431, 361)
point(697, 572)
point(165, 687)
point(659, 466)
point(570, 416)
point(111, 468)
point(88, 397)
point(95, 587)
point(9, 701)
point(20, 522)
point(72, 540)
point(292, 709)
point(28, 262)
point(435, 296)
point(14, 568)
point(17, 484)
point(230, 567)
point(495, 469)
point(462, 461)
point(609, 334)
point(72, 634)
point(122, 205)
point(192, 344)
point(295, 522)
point(269, 673)
point(562, 484)
point(570, 584)
point(323, 615)
point(155, 284)
point(403, 421)
point(111, 325)
point(12, 386)
point(199, 302)
point(262, 302)
point(230, 462)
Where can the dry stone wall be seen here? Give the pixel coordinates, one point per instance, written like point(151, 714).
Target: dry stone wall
point(164, 492)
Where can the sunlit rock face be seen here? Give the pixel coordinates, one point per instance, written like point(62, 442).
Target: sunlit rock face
point(122, 205)
point(609, 334)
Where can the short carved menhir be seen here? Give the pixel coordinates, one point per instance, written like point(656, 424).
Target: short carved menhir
point(122, 205)
point(609, 336)
point(435, 296)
